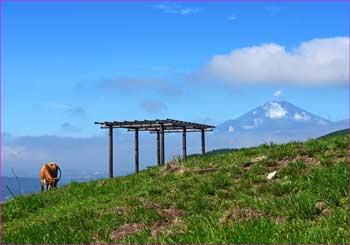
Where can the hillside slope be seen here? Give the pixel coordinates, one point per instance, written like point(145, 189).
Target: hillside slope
point(339, 132)
point(223, 198)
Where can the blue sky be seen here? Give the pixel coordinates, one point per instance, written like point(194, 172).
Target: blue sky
point(66, 65)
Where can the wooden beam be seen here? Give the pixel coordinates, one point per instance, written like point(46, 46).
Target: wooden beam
point(153, 124)
point(136, 150)
point(158, 148)
point(179, 131)
point(203, 141)
point(184, 154)
point(111, 152)
point(162, 145)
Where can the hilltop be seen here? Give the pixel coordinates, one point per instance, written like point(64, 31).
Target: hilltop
point(221, 198)
point(339, 132)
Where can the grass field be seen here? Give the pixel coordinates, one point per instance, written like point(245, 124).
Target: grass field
point(221, 198)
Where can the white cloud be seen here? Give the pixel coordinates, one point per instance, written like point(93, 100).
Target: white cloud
point(277, 94)
point(301, 116)
point(231, 129)
point(176, 9)
point(232, 17)
point(315, 62)
point(275, 111)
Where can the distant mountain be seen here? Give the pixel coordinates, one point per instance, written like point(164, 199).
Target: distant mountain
point(215, 152)
point(26, 185)
point(273, 115)
point(22, 186)
point(339, 132)
point(276, 121)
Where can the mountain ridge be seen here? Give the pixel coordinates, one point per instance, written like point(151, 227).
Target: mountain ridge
point(277, 114)
point(275, 121)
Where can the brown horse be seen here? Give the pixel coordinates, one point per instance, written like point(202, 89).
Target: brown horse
point(48, 175)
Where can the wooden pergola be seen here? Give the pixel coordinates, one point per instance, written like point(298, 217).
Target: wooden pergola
point(158, 127)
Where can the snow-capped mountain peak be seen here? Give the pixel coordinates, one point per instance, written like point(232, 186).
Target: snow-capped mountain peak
point(273, 115)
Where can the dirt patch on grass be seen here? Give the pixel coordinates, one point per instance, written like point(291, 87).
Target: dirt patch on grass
point(119, 210)
point(173, 166)
point(246, 214)
point(170, 224)
point(306, 159)
point(172, 217)
point(205, 170)
point(241, 214)
point(237, 178)
point(279, 219)
point(310, 161)
point(303, 158)
point(125, 230)
point(247, 165)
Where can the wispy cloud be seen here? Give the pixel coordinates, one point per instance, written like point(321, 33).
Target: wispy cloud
point(232, 17)
point(69, 128)
point(136, 84)
point(277, 93)
point(166, 69)
point(57, 105)
point(206, 120)
point(19, 153)
point(76, 111)
point(153, 106)
point(173, 8)
point(67, 109)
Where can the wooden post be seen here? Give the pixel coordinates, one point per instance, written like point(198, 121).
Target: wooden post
point(184, 155)
point(137, 150)
point(110, 152)
point(162, 145)
point(203, 141)
point(158, 148)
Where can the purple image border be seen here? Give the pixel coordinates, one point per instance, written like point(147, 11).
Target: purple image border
point(171, 1)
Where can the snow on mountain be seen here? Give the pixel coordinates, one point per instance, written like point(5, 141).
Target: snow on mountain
point(273, 115)
point(274, 121)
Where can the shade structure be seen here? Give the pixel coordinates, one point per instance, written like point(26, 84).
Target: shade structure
point(158, 127)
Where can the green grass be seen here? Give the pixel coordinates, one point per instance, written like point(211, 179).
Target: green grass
point(234, 203)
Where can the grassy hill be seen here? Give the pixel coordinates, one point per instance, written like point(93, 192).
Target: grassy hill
point(222, 198)
point(339, 132)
